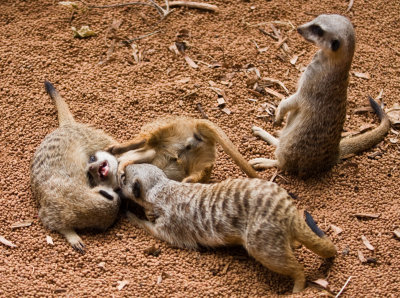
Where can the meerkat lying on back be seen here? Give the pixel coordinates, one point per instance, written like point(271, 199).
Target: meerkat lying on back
point(184, 148)
point(254, 213)
point(311, 140)
point(72, 178)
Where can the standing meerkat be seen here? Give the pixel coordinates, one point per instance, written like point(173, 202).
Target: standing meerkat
point(184, 148)
point(71, 177)
point(254, 213)
point(311, 140)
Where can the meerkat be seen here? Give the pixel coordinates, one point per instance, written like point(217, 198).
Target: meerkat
point(72, 178)
point(184, 148)
point(254, 213)
point(311, 140)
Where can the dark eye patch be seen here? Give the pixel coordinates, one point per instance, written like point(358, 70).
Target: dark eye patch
point(335, 45)
point(197, 137)
point(92, 159)
point(136, 189)
point(317, 30)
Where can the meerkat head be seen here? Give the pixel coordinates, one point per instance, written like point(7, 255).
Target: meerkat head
point(102, 169)
point(139, 179)
point(193, 142)
point(334, 34)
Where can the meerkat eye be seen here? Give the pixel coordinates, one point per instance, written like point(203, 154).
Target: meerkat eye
point(188, 147)
point(136, 189)
point(92, 158)
point(197, 137)
point(317, 30)
point(335, 45)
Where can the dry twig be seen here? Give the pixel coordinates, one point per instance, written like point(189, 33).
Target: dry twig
point(200, 109)
point(341, 290)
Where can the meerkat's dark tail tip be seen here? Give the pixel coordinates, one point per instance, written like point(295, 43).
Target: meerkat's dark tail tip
point(49, 87)
point(313, 225)
point(377, 108)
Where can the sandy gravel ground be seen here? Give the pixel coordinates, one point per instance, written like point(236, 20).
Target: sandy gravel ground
point(118, 94)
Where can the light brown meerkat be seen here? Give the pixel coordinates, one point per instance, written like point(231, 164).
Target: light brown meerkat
point(254, 213)
point(184, 148)
point(72, 179)
point(311, 140)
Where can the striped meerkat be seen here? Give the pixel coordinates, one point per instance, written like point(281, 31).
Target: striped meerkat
point(254, 213)
point(71, 177)
point(311, 140)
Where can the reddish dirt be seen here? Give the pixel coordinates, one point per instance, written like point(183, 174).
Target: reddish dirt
point(120, 95)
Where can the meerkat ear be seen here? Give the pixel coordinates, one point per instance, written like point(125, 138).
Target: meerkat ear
point(335, 45)
point(136, 189)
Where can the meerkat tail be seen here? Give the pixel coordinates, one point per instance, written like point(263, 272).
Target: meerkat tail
point(64, 114)
point(206, 127)
point(308, 233)
point(353, 145)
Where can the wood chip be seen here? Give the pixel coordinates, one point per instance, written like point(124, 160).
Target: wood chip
point(363, 110)
point(361, 256)
point(321, 282)
point(49, 240)
point(102, 265)
point(336, 230)
point(361, 75)
point(394, 115)
point(221, 102)
point(393, 140)
point(159, 279)
point(190, 62)
point(183, 80)
point(351, 2)
point(367, 215)
point(122, 284)
point(200, 109)
point(7, 242)
point(397, 233)
point(367, 243)
point(293, 60)
point(153, 251)
point(226, 111)
point(275, 81)
point(274, 93)
point(22, 224)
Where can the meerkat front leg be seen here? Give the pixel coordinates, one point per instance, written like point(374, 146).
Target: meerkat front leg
point(285, 106)
point(270, 139)
point(136, 156)
point(73, 239)
point(143, 224)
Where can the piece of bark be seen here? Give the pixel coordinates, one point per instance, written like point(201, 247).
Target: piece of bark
point(367, 215)
point(367, 243)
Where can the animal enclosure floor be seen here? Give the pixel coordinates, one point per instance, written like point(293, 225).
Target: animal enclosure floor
point(119, 87)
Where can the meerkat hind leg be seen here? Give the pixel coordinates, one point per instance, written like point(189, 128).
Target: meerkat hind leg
point(73, 239)
point(270, 139)
point(285, 264)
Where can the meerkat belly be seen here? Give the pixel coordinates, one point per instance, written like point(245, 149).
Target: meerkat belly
point(310, 144)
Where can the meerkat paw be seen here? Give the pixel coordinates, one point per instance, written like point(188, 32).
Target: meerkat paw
point(267, 137)
point(134, 219)
point(73, 239)
point(257, 130)
point(263, 163)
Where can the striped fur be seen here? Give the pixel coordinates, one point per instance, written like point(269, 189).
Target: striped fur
point(254, 213)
